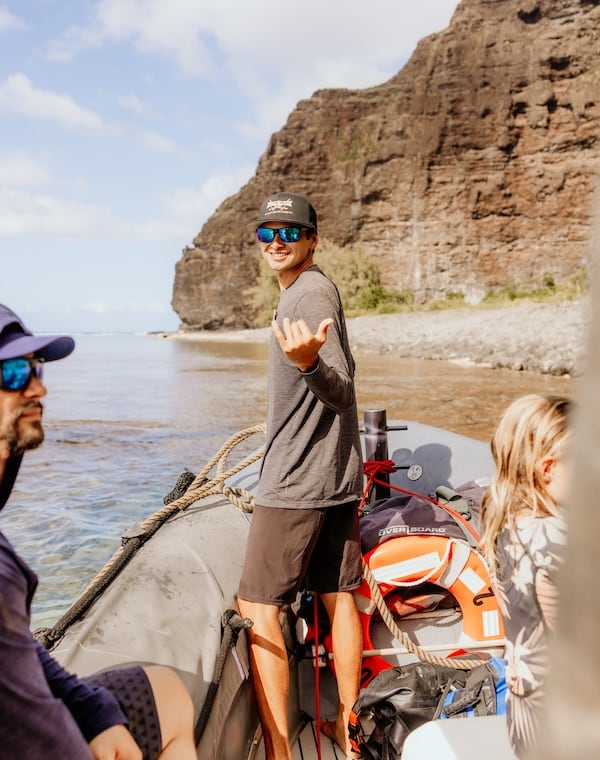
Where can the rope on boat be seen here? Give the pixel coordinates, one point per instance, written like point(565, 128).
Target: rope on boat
point(200, 488)
point(372, 470)
point(232, 624)
point(388, 619)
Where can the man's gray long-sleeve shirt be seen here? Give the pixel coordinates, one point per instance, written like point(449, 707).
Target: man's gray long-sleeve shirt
point(312, 456)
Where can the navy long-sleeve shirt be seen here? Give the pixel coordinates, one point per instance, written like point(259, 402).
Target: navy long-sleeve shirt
point(45, 712)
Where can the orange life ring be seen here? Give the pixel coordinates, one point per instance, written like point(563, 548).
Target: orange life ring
point(411, 560)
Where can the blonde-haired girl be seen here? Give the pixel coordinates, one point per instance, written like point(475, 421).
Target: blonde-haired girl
point(524, 533)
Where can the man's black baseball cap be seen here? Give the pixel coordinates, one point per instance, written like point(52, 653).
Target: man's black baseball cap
point(287, 207)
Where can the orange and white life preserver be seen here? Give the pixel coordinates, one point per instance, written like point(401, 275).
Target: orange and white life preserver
point(411, 560)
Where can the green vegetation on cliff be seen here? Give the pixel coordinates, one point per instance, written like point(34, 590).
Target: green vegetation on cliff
point(363, 291)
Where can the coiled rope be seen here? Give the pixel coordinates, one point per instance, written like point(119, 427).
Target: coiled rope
point(200, 488)
point(392, 626)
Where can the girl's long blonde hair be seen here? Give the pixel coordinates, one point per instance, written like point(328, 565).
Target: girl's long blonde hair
point(532, 427)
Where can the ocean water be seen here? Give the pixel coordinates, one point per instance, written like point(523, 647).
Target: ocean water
point(125, 414)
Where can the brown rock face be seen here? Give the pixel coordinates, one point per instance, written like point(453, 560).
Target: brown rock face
point(474, 167)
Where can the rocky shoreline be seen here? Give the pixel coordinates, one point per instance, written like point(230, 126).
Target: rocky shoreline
point(547, 338)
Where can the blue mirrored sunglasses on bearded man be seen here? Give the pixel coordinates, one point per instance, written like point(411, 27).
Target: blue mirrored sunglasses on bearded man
point(15, 374)
point(22, 352)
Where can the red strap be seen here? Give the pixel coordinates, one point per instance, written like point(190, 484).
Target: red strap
point(385, 466)
point(374, 467)
point(317, 682)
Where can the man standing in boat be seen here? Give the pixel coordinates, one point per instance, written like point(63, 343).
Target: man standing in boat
point(45, 711)
point(304, 529)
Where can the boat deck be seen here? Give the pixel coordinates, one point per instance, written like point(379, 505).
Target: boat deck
point(305, 747)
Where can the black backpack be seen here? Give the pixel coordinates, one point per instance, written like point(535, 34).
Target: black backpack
point(401, 699)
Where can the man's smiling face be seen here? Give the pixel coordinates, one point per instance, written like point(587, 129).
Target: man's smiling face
point(289, 259)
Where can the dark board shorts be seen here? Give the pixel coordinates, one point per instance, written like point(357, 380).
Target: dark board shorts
point(132, 689)
point(318, 549)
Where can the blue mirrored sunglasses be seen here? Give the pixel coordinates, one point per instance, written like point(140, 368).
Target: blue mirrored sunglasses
point(15, 374)
point(286, 234)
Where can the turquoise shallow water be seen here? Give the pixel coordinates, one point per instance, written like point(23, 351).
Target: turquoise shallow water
point(125, 414)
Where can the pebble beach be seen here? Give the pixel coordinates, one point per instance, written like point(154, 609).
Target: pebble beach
point(546, 338)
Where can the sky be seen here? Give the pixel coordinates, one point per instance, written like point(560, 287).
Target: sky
point(125, 123)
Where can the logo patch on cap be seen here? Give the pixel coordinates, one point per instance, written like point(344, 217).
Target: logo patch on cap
point(280, 206)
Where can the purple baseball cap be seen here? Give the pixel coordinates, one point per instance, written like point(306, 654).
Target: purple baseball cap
point(16, 340)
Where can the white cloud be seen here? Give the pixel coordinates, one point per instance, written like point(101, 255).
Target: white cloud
point(296, 49)
point(75, 40)
point(269, 59)
point(18, 95)
point(158, 143)
point(23, 170)
point(24, 214)
point(168, 29)
point(9, 21)
point(133, 103)
point(186, 210)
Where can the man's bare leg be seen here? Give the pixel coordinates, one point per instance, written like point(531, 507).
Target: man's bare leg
point(346, 633)
point(269, 665)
